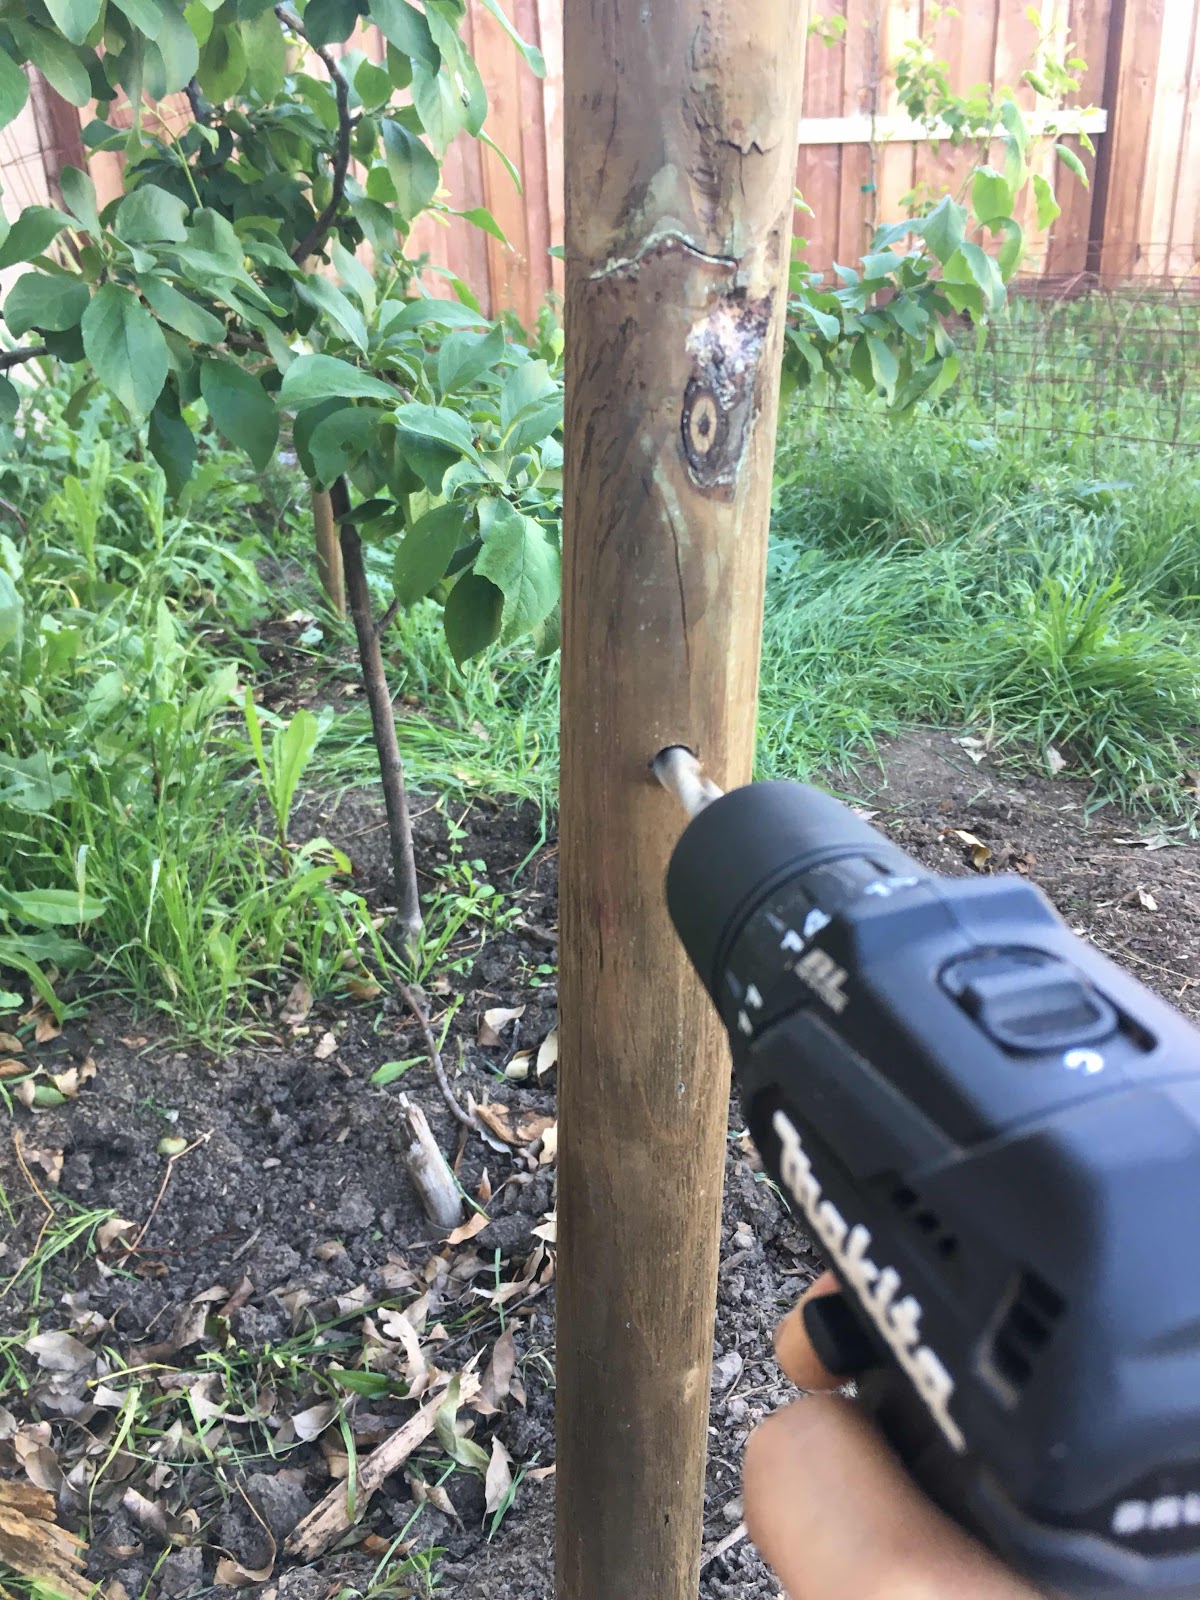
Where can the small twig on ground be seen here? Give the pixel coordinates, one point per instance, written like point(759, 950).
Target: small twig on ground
point(435, 1057)
point(727, 1543)
point(46, 1220)
point(332, 1516)
point(546, 936)
point(162, 1189)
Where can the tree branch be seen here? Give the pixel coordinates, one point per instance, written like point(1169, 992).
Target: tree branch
point(315, 238)
point(14, 358)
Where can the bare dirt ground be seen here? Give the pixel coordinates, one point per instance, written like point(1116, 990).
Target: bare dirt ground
point(209, 1392)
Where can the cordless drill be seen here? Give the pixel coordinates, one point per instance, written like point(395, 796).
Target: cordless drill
point(994, 1135)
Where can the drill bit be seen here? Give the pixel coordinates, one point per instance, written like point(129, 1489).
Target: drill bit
point(681, 774)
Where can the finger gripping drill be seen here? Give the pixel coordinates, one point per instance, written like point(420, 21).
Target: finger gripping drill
point(994, 1134)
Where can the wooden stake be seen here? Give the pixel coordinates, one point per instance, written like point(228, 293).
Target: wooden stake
point(329, 554)
point(680, 156)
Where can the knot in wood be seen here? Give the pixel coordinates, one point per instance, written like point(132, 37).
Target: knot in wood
point(720, 398)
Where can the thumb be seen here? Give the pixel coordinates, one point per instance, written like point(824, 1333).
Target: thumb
point(835, 1515)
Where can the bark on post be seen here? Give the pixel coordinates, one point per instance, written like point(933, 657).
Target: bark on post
point(680, 158)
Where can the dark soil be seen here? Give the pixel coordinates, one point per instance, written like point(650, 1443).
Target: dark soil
point(297, 1208)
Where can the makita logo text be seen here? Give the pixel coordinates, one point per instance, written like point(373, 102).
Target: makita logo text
point(899, 1321)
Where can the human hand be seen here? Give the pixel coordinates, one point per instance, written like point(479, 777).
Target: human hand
point(834, 1513)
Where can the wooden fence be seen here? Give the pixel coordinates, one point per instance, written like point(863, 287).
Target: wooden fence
point(857, 156)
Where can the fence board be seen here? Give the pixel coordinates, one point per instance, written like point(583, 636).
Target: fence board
point(1089, 23)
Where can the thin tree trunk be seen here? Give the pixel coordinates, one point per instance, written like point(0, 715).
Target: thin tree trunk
point(383, 721)
point(680, 162)
point(329, 554)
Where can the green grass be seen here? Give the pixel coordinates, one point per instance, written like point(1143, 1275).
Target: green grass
point(930, 574)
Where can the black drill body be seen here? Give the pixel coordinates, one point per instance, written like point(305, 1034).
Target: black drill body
point(994, 1134)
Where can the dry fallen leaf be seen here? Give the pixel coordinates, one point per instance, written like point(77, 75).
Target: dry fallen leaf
point(396, 1274)
point(1146, 900)
point(548, 1229)
point(48, 1158)
point(975, 748)
point(59, 1352)
point(45, 1028)
point(494, 1020)
point(498, 1480)
point(13, 1069)
point(314, 1420)
point(10, 1043)
point(538, 1474)
point(363, 988)
point(468, 1229)
point(297, 1005)
point(326, 1045)
point(1054, 761)
point(549, 1151)
point(518, 1068)
point(981, 853)
point(484, 1192)
point(32, 1544)
point(547, 1055)
point(67, 1083)
point(109, 1232)
point(499, 1118)
point(497, 1380)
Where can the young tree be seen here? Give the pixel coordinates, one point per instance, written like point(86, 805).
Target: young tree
point(209, 280)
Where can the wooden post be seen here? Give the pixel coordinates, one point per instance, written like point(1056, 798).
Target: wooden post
point(680, 156)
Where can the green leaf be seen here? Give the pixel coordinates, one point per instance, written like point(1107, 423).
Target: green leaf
point(146, 15)
point(291, 751)
point(372, 86)
point(171, 442)
point(180, 312)
point(1014, 123)
point(991, 196)
point(531, 53)
point(505, 161)
point(126, 347)
point(391, 1070)
point(523, 564)
point(403, 25)
point(885, 367)
point(1010, 253)
point(1072, 163)
point(401, 316)
point(170, 61)
point(222, 69)
point(425, 552)
point(464, 356)
point(525, 385)
point(1047, 206)
point(151, 216)
point(972, 263)
point(74, 19)
point(241, 408)
point(327, 297)
point(438, 423)
point(413, 170)
point(46, 301)
point(321, 377)
point(374, 1385)
point(33, 230)
point(54, 57)
point(10, 399)
point(827, 325)
point(79, 196)
point(481, 217)
point(14, 90)
point(473, 616)
point(330, 21)
point(339, 441)
point(51, 908)
point(11, 1001)
point(12, 613)
point(266, 50)
point(439, 108)
point(943, 229)
point(356, 276)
